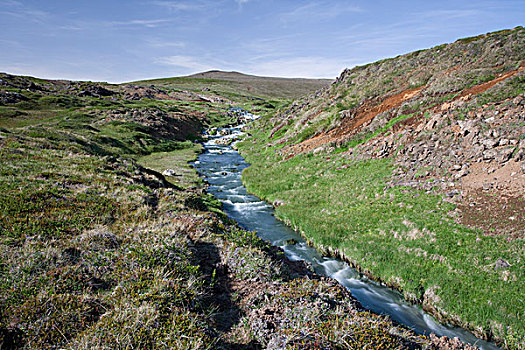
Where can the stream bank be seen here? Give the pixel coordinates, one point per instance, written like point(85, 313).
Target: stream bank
point(221, 166)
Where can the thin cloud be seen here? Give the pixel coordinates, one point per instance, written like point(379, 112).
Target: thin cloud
point(450, 14)
point(186, 62)
point(271, 46)
point(318, 11)
point(157, 43)
point(150, 23)
point(290, 67)
point(11, 3)
point(304, 67)
point(182, 5)
point(20, 11)
point(11, 43)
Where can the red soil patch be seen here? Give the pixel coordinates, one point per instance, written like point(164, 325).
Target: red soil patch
point(365, 113)
point(478, 89)
point(351, 125)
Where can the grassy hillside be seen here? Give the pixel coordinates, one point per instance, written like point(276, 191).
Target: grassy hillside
point(412, 169)
point(242, 85)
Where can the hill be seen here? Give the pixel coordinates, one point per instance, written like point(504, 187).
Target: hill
point(242, 85)
point(412, 169)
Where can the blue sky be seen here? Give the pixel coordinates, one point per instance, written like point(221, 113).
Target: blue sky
point(125, 40)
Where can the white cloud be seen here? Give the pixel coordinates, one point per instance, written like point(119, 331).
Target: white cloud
point(189, 63)
point(318, 11)
point(158, 43)
point(447, 14)
point(302, 67)
point(181, 5)
point(18, 10)
point(150, 23)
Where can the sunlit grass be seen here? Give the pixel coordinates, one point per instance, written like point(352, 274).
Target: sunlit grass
point(403, 236)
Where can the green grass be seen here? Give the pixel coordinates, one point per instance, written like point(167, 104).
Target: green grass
point(362, 138)
point(186, 175)
point(97, 251)
point(80, 238)
point(241, 87)
point(512, 88)
point(402, 236)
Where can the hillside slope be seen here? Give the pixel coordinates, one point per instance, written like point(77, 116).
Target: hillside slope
point(412, 169)
point(238, 84)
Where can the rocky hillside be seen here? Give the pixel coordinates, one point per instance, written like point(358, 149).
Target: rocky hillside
point(452, 114)
point(371, 152)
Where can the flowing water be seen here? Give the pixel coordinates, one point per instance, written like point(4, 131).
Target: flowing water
point(221, 167)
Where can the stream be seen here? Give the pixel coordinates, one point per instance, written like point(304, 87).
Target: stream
point(221, 166)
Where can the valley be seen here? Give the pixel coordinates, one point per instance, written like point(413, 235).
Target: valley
point(410, 169)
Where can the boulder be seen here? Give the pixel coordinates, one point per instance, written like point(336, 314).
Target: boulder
point(169, 172)
point(501, 264)
point(505, 154)
point(490, 154)
point(489, 143)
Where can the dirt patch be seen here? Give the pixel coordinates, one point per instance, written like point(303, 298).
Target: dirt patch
point(366, 113)
point(508, 180)
point(494, 199)
point(478, 89)
point(494, 213)
point(351, 124)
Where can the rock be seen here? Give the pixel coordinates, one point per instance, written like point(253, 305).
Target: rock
point(489, 143)
point(224, 141)
point(461, 173)
point(505, 154)
point(11, 97)
point(490, 154)
point(468, 127)
point(169, 172)
point(445, 106)
point(501, 264)
point(487, 186)
point(453, 193)
point(291, 242)
point(277, 203)
point(432, 122)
